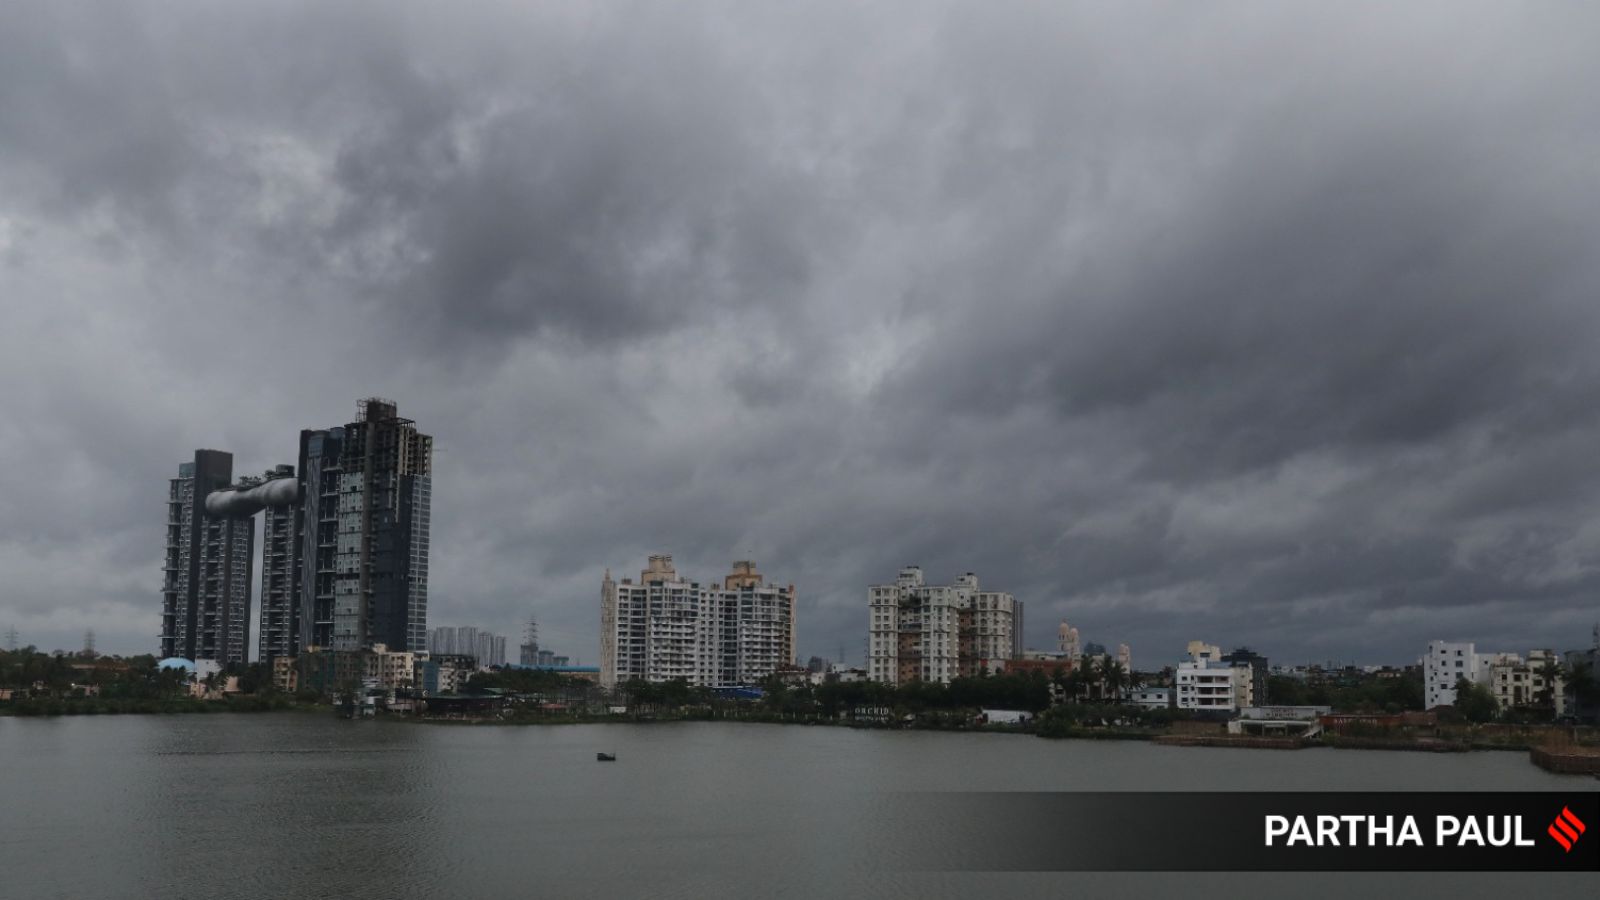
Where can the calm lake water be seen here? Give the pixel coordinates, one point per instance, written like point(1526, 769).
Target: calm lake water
point(301, 805)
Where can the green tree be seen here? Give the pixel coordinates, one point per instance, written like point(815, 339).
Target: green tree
point(1474, 701)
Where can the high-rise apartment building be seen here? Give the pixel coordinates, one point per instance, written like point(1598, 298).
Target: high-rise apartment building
point(380, 560)
point(923, 632)
point(344, 550)
point(348, 563)
point(1018, 642)
point(666, 627)
point(205, 607)
point(279, 574)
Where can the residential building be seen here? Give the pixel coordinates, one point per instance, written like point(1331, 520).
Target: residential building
point(380, 559)
point(1151, 697)
point(372, 669)
point(280, 574)
point(1213, 684)
point(923, 632)
point(1259, 669)
point(666, 627)
point(205, 605)
point(444, 673)
point(285, 674)
point(1445, 663)
point(1125, 657)
point(1523, 683)
point(345, 537)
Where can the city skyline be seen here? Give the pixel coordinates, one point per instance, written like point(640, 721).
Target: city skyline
point(1291, 344)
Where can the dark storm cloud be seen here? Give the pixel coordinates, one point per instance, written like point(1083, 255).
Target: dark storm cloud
point(1266, 325)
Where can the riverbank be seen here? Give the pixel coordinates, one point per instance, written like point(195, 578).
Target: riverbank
point(95, 706)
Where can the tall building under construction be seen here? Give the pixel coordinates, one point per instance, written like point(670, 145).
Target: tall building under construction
point(360, 556)
point(344, 549)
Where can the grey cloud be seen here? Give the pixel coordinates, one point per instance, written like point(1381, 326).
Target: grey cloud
point(1267, 326)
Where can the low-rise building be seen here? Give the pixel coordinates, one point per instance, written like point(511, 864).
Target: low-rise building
point(1279, 721)
point(1152, 697)
point(1209, 684)
point(444, 673)
point(391, 669)
point(1517, 682)
point(285, 674)
point(1005, 717)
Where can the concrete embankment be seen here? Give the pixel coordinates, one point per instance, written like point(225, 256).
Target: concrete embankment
point(1568, 760)
point(1229, 740)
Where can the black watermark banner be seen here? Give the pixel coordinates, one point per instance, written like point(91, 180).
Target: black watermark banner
point(1245, 831)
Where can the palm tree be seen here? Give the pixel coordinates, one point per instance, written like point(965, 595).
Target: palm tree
point(1074, 682)
point(1102, 666)
point(1058, 679)
point(1136, 680)
point(1552, 672)
point(1114, 678)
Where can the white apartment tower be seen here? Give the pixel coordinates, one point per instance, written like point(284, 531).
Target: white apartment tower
point(1445, 662)
point(714, 635)
point(923, 632)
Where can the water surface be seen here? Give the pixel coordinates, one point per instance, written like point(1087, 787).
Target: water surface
point(308, 805)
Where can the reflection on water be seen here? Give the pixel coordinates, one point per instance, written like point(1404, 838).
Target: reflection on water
point(292, 805)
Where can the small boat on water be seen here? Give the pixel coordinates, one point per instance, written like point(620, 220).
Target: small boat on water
point(606, 757)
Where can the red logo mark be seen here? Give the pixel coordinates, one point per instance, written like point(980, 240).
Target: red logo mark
point(1566, 828)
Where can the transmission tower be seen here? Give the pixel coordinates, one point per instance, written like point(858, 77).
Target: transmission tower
point(11, 639)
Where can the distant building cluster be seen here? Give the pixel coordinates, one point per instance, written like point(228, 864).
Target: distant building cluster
point(488, 648)
point(1511, 679)
point(737, 631)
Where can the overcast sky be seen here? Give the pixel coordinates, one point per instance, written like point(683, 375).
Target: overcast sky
point(1271, 324)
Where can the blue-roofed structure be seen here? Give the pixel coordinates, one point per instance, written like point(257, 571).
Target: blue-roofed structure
point(738, 693)
point(561, 670)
